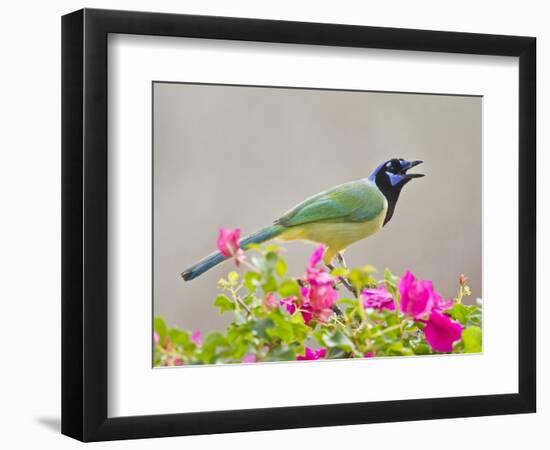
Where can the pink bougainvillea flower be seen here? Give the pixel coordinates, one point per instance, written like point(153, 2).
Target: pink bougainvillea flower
point(196, 337)
point(378, 298)
point(417, 296)
point(316, 302)
point(316, 256)
point(156, 338)
point(322, 295)
point(324, 315)
point(177, 362)
point(440, 304)
point(228, 244)
point(249, 358)
point(441, 332)
point(311, 355)
point(270, 302)
point(318, 293)
point(369, 354)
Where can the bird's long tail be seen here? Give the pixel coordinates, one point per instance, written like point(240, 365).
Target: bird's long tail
point(215, 258)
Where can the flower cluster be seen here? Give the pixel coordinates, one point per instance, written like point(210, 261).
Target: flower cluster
point(317, 293)
point(421, 302)
point(322, 314)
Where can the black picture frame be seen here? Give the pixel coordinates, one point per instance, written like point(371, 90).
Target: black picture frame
point(84, 224)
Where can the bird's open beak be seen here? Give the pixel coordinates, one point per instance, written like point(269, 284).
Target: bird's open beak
point(412, 175)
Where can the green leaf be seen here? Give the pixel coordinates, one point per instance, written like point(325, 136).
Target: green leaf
point(392, 319)
point(369, 269)
point(299, 328)
point(281, 329)
point(339, 272)
point(280, 267)
point(211, 345)
point(259, 262)
point(252, 280)
point(281, 354)
point(347, 301)
point(223, 303)
point(336, 353)
point(390, 281)
point(181, 340)
point(260, 326)
point(459, 312)
point(358, 278)
point(273, 248)
point(472, 339)
point(270, 284)
point(271, 259)
point(422, 349)
point(338, 340)
point(289, 288)
point(240, 317)
point(399, 349)
point(160, 327)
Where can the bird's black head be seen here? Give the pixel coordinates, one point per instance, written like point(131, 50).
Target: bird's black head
point(390, 177)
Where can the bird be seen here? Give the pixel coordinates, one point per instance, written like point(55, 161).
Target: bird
point(335, 218)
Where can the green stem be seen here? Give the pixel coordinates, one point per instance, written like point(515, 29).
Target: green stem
point(388, 330)
point(239, 302)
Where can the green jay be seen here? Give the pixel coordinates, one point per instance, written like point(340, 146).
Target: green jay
point(335, 218)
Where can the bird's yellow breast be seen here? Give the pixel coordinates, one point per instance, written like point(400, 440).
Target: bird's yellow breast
point(336, 236)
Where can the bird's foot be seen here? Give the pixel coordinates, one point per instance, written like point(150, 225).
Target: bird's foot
point(343, 280)
point(337, 310)
point(342, 260)
point(349, 286)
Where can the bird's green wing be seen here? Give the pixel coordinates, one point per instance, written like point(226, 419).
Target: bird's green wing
point(357, 201)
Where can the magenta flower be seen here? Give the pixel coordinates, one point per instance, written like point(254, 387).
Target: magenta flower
point(196, 337)
point(156, 338)
point(441, 332)
point(293, 304)
point(369, 354)
point(312, 355)
point(417, 296)
point(316, 257)
point(378, 298)
point(319, 294)
point(307, 312)
point(228, 244)
point(249, 358)
point(289, 303)
point(441, 304)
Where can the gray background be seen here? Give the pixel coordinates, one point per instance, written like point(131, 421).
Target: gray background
point(234, 156)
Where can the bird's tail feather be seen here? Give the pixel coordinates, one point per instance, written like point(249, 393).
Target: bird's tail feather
point(216, 258)
point(265, 234)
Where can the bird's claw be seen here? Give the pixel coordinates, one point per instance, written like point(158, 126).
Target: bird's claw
point(341, 260)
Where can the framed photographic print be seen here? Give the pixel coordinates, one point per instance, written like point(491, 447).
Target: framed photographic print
point(272, 224)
